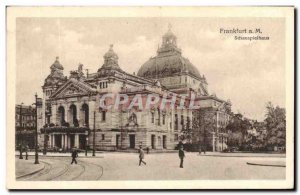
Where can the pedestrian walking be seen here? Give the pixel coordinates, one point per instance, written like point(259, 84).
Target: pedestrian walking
point(141, 156)
point(26, 152)
point(74, 156)
point(181, 156)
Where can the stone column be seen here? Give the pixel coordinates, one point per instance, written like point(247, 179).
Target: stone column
point(53, 139)
point(54, 113)
point(78, 110)
point(213, 142)
point(69, 141)
point(76, 143)
point(66, 141)
point(92, 108)
point(63, 141)
point(66, 107)
point(50, 140)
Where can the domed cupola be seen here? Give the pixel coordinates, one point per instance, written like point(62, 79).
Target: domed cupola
point(169, 38)
point(56, 65)
point(110, 62)
point(168, 62)
point(56, 77)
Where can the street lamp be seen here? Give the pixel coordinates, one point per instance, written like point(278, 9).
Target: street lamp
point(86, 141)
point(36, 132)
point(94, 134)
point(21, 145)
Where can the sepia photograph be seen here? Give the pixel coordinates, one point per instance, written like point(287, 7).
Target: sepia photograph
point(150, 97)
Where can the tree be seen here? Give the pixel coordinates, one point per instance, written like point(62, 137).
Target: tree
point(204, 124)
point(275, 125)
point(237, 129)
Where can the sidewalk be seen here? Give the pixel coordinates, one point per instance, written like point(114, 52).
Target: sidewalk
point(67, 154)
point(27, 167)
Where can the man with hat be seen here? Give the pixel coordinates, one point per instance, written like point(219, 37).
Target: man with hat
point(141, 156)
point(181, 156)
point(74, 156)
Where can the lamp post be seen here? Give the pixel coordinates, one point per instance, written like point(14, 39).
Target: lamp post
point(21, 133)
point(94, 134)
point(36, 132)
point(86, 141)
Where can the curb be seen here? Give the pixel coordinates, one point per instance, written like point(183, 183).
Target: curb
point(269, 165)
point(33, 172)
point(245, 156)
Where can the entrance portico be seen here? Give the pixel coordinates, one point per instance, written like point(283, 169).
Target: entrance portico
point(66, 138)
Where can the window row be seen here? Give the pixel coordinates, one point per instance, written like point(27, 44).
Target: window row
point(103, 85)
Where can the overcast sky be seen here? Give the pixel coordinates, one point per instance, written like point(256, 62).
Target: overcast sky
point(249, 73)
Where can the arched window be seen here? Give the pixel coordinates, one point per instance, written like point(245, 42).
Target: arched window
point(85, 109)
point(73, 112)
point(61, 112)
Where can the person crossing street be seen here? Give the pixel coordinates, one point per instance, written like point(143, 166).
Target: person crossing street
point(74, 156)
point(141, 156)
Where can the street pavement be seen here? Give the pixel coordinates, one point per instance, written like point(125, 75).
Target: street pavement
point(160, 166)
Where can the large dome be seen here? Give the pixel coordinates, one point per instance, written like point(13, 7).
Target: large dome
point(168, 62)
point(163, 66)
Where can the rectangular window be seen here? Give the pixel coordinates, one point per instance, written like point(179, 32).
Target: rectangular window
point(103, 137)
point(103, 115)
point(152, 117)
point(164, 119)
point(176, 122)
point(158, 120)
point(182, 120)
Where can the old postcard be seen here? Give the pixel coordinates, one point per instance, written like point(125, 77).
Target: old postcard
point(150, 97)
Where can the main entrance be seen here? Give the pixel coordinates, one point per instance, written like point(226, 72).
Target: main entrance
point(117, 141)
point(164, 141)
point(153, 141)
point(58, 141)
point(72, 140)
point(131, 141)
point(82, 141)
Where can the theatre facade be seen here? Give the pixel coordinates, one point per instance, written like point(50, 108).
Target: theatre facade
point(80, 110)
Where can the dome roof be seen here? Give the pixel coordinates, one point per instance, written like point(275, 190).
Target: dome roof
point(163, 66)
point(168, 61)
point(57, 65)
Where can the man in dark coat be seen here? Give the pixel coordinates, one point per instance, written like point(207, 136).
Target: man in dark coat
point(141, 156)
point(26, 152)
point(74, 156)
point(181, 156)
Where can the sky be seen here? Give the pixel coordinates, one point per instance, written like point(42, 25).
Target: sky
point(249, 73)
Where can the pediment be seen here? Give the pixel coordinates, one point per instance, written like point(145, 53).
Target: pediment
point(73, 88)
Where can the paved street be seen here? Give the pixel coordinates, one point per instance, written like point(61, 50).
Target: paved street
point(163, 166)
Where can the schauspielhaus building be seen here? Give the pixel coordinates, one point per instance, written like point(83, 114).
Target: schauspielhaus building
point(71, 114)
